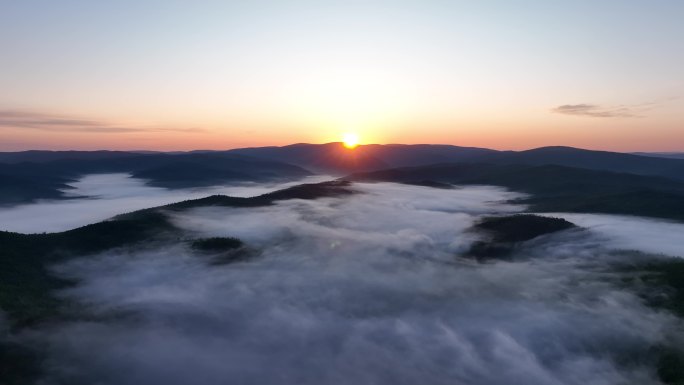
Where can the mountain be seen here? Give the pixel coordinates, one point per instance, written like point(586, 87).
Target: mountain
point(28, 181)
point(402, 155)
point(188, 174)
point(14, 190)
point(555, 188)
point(36, 170)
point(593, 160)
point(334, 158)
point(323, 158)
point(40, 156)
point(668, 155)
point(193, 170)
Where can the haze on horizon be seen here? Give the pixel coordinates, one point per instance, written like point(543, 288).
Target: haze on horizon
point(178, 75)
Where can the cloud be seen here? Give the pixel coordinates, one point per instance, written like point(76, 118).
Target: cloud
point(629, 232)
point(596, 111)
point(362, 289)
point(619, 111)
point(57, 123)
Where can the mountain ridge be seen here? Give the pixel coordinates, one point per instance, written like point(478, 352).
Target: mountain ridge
point(39, 174)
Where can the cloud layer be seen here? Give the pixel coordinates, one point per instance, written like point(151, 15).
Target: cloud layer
point(367, 289)
point(629, 232)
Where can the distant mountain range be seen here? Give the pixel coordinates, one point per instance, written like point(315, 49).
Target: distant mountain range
point(31, 175)
point(671, 155)
point(336, 159)
point(333, 158)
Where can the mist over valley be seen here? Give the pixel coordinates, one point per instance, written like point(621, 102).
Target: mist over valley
point(331, 280)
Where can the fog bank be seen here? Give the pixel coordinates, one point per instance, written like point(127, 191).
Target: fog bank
point(637, 233)
point(366, 289)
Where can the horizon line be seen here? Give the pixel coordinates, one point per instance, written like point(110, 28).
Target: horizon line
point(336, 143)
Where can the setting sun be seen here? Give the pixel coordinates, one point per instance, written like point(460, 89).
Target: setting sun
point(350, 140)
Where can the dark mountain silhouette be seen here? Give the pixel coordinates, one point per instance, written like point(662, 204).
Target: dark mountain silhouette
point(593, 160)
point(669, 155)
point(188, 174)
point(402, 155)
point(192, 170)
point(14, 189)
point(40, 156)
point(28, 181)
point(326, 158)
point(37, 170)
point(336, 159)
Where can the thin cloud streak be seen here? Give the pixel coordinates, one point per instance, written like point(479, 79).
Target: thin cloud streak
point(619, 111)
point(58, 123)
point(597, 111)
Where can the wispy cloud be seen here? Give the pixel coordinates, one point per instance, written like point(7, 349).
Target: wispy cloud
point(52, 122)
point(598, 111)
point(609, 111)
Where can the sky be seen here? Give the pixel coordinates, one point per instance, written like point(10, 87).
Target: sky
point(181, 75)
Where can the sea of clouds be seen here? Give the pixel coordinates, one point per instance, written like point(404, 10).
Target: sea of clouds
point(365, 289)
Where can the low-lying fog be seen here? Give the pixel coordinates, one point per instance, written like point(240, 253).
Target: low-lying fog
point(366, 289)
point(628, 232)
point(101, 196)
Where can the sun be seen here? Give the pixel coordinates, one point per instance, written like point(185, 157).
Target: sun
point(350, 140)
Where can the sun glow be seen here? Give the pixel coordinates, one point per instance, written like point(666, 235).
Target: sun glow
point(350, 140)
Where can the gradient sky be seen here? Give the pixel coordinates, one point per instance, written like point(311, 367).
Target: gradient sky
point(178, 75)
